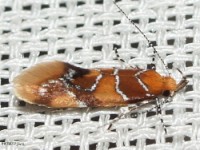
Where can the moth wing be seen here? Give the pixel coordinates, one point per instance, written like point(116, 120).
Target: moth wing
point(41, 84)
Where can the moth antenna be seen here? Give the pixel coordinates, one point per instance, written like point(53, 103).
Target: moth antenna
point(117, 54)
point(150, 44)
point(121, 59)
point(183, 76)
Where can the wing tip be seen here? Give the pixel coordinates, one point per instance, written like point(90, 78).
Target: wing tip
point(27, 83)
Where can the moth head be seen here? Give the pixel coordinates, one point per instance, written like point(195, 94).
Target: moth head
point(171, 87)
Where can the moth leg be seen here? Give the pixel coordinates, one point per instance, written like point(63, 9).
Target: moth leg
point(88, 109)
point(155, 106)
point(121, 115)
point(158, 110)
point(115, 120)
point(132, 109)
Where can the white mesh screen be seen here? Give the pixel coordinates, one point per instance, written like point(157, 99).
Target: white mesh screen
point(83, 32)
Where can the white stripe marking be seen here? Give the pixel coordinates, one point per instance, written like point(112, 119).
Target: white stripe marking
point(96, 83)
point(117, 85)
point(140, 81)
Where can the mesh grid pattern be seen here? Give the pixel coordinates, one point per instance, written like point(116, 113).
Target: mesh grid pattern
point(83, 32)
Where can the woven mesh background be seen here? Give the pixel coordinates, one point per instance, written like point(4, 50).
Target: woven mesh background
point(83, 33)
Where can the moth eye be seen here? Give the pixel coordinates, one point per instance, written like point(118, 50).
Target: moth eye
point(166, 93)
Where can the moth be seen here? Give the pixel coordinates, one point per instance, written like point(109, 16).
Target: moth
point(61, 85)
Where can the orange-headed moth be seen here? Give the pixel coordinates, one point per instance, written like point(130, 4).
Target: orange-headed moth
point(61, 85)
